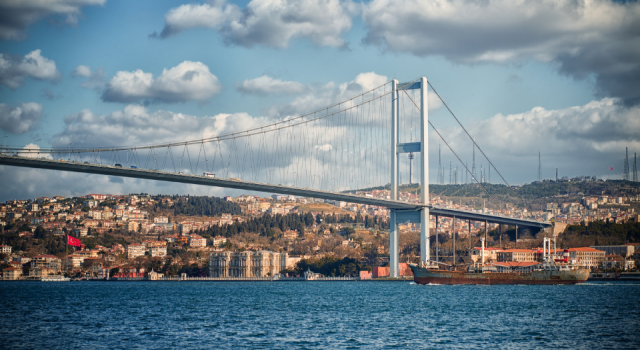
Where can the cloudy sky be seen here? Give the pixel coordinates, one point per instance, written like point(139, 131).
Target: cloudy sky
point(557, 77)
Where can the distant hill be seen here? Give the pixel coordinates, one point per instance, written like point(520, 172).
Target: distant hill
point(535, 194)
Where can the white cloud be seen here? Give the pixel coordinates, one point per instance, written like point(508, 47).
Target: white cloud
point(189, 16)
point(34, 152)
point(17, 15)
point(581, 37)
point(20, 119)
point(332, 93)
point(32, 183)
point(266, 85)
point(581, 140)
point(184, 82)
point(95, 78)
point(82, 71)
point(14, 69)
point(135, 125)
point(266, 22)
point(325, 147)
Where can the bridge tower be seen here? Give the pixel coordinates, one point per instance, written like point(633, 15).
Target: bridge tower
point(422, 147)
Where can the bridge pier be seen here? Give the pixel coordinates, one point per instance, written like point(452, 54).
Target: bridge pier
point(393, 245)
point(393, 225)
point(424, 176)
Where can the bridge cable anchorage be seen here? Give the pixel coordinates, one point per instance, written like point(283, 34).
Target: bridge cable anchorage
point(474, 142)
point(454, 153)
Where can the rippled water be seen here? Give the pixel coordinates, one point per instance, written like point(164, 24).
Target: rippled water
point(285, 315)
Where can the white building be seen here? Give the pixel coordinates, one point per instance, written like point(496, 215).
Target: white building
point(135, 250)
point(5, 249)
point(196, 241)
point(158, 251)
point(160, 220)
point(262, 263)
point(218, 241)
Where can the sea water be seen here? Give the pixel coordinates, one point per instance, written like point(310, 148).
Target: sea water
point(311, 315)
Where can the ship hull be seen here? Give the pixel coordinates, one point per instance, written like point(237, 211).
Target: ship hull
point(427, 276)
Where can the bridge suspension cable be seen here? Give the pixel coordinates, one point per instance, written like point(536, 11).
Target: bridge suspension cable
point(480, 149)
point(454, 152)
point(337, 148)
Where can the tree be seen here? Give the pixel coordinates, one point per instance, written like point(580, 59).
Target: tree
point(347, 231)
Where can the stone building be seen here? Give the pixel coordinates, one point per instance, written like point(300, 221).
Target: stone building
point(517, 255)
point(262, 263)
point(591, 258)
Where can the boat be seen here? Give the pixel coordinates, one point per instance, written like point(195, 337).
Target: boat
point(55, 278)
point(553, 270)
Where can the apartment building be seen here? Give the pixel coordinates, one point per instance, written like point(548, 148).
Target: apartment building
point(135, 250)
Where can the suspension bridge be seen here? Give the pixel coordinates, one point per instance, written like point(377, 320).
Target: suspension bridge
point(334, 153)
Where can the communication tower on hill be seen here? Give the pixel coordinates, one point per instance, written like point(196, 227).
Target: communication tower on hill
point(539, 167)
point(625, 169)
point(635, 169)
point(473, 161)
point(440, 168)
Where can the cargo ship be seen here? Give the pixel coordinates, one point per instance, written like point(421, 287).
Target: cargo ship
point(553, 270)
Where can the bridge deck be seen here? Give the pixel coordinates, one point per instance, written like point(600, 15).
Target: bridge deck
point(253, 186)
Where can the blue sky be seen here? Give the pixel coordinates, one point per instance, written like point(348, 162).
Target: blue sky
point(562, 75)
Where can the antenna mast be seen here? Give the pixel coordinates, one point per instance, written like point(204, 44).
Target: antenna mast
point(539, 167)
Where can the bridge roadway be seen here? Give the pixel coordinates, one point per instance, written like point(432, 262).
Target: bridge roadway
point(406, 210)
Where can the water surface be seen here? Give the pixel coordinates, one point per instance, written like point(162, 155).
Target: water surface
point(309, 315)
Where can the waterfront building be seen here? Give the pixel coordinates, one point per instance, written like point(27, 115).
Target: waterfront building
point(75, 261)
point(517, 255)
point(588, 256)
point(617, 262)
point(625, 250)
point(490, 254)
point(11, 273)
point(262, 263)
point(46, 261)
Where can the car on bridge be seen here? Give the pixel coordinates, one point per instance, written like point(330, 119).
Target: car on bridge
point(118, 165)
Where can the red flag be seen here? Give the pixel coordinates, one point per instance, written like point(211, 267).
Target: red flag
point(610, 168)
point(74, 241)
